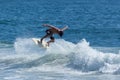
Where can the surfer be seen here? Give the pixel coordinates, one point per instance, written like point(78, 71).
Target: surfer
point(52, 30)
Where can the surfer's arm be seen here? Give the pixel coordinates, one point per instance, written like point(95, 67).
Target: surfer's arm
point(50, 26)
point(66, 27)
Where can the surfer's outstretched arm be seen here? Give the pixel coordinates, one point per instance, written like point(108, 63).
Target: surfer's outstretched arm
point(66, 27)
point(50, 26)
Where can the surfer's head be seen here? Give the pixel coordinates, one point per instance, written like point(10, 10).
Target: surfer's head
point(60, 33)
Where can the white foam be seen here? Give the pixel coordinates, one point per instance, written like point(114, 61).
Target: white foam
point(110, 68)
point(27, 46)
point(85, 58)
point(80, 56)
point(61, 46)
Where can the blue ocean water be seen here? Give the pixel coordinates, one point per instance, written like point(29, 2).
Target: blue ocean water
point(89, 49)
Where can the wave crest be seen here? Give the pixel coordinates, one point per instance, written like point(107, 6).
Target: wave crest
point(80, 56)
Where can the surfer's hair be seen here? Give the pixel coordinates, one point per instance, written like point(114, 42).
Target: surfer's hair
point(60, 33)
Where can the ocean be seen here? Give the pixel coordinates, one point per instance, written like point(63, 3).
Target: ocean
point(88, 50)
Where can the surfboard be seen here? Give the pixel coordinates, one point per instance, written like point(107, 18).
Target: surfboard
point(44, 44)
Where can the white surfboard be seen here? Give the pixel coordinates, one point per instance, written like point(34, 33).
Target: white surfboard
point(44, 44)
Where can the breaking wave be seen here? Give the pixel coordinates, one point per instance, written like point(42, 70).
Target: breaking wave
point(80, 57)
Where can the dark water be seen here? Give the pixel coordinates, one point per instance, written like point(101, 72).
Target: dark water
point(96, 21)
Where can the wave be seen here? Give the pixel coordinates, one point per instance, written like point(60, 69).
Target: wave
point(86, 59)
point(79, 57)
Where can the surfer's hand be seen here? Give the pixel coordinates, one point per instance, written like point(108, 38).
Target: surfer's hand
point(45, 25)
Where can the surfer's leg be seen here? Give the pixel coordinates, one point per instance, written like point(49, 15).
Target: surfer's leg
point(52, 40)
point(44, 37)
point(48, 34)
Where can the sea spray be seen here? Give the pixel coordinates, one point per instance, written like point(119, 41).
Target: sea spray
point(86, 59)
point(81, 56)
point(27, 46)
